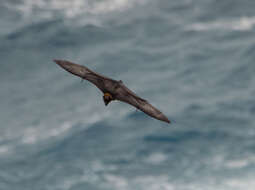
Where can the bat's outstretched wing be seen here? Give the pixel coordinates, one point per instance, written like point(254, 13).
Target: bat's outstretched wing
point(126, 95)
point(102, 82)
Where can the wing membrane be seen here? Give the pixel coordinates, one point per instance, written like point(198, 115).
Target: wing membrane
point(126, 95)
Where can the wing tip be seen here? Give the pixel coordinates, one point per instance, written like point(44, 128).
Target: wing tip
point(58, 61)
point(164, 119)
point(171, 121)
point(168, 121)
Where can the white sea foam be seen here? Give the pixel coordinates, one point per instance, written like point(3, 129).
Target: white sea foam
point(237, 24)
point(154, 182)
point(98, 166)
point(159, 182)
point(35, 134)
point(156, 158)
point(239, 183)
point(240, 163)
point(237, 163)
point(117, 182)
point(87, 9)
point(139, 182)
point(220, 161)
point(4, 149)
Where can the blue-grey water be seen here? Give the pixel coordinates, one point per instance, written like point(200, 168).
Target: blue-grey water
point(192, 59)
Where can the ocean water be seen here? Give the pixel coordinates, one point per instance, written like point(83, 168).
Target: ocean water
point(192, 59)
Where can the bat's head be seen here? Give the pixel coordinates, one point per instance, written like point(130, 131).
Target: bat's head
point(107, 97)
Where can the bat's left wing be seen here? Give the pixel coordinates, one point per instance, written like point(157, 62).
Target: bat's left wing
point(126, 95)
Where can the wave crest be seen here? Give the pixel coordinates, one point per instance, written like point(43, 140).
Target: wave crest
point(70, 9)
point(239, 24)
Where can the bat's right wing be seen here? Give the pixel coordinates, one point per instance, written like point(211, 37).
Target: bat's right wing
point(85, 73)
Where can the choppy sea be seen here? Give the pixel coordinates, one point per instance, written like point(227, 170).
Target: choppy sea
point(192, 59)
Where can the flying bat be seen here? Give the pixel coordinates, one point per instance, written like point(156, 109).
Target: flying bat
point(112, 89)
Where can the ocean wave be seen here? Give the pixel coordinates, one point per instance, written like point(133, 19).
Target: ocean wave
point(237, 24)
point(5, 149)
point(89, 10)
point(36, 134)
point(32, 135)
point(156, 158)
point(237, 183)
point(161, 182)
point(240, 163)
point(117, 182)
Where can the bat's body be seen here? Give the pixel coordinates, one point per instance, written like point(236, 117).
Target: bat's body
point(112, 89)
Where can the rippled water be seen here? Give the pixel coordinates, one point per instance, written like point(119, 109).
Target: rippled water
point(194, 60)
